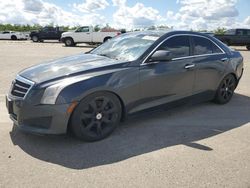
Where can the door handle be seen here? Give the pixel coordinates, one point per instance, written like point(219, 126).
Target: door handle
point(224, 59)
point(189, 66)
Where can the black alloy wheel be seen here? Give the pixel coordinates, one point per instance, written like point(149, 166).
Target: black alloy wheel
point(226, 89)
point(96, 116)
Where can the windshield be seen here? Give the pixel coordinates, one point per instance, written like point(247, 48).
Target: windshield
point(127, 47)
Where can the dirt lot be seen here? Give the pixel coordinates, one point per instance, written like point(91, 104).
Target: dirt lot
point(206, 145)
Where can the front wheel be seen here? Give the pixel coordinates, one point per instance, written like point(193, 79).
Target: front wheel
point(225, 90)
point(96, 116)
point(69, 42)
point(248, 47)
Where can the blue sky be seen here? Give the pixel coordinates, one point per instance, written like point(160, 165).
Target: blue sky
point(181, 14)
point(162, 5)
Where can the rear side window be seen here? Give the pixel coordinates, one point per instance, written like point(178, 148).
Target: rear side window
point(179, 46)
point(230, 32)
point(204, 46)
point(239, 32)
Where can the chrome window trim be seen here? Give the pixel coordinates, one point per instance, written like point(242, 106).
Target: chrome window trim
point(185, 57)
point(24, 80)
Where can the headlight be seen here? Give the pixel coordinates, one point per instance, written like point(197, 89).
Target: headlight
point(51, 93)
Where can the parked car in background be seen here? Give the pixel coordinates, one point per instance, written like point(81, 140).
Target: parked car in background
point(91, 93)
point(46, 33)
point(12, 35)
point(208, 33)
point(86, 34)
point(236, 37)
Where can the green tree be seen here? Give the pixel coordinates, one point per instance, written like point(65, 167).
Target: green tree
point(220, 31)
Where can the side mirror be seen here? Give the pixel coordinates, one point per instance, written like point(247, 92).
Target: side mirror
point(161, 55)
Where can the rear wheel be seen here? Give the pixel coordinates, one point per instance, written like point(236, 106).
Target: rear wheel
point(13, 37)
point(248, 47)
point(34, 38)
point(96, 116)
point(226, 90)
point(107, 39)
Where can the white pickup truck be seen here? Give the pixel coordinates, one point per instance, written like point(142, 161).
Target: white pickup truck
point(12, 35)
point(87, 35)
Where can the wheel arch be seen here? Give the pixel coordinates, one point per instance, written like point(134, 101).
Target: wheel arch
point(235, 77)
point(107, 38)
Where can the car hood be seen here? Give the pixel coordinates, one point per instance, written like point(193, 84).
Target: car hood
point(67, 33)
point(65, 67)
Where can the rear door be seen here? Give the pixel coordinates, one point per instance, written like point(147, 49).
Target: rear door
point(52, 33)
point(166, 81)
point(241, 37)
point(209, 60)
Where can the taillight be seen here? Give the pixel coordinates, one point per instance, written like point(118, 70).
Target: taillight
point(118, 33)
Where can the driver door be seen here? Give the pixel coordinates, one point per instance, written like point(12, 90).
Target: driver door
point(82, 34)
point(166, 81)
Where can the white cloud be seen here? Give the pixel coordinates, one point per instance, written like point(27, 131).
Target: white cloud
point(193, 14)
point(247, 21)
point(204, 14)
point(136, 16)
point(119, 2)
point(91, 5)
point(35, 6)
point(38, 11)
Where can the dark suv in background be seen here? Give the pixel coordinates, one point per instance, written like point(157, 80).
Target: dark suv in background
point(236, 37)
point(46, 33)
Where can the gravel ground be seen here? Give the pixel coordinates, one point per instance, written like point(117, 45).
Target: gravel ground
point(205, 145)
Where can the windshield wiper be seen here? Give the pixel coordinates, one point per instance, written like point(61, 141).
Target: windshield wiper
point(110, 57)
point(105, 55)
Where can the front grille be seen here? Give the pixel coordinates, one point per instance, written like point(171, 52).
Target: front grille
point(20, 87)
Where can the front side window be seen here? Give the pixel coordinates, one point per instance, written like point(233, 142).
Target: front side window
point(203, 46)
point(179, 46)
point(83, 29)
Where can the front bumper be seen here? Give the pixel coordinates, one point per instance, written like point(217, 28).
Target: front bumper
point(39, 119)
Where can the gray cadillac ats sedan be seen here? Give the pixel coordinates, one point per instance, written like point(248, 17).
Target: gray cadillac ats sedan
point(89, 94)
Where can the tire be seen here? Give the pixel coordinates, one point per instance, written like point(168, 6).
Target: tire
point(34, 38)
point(96, 116)
point(225, 90)
point(106, 39)
point(13, 37)
point(248, 47)
point(69, 42)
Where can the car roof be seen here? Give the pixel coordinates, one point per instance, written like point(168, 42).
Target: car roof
point(161, 33)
